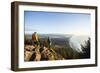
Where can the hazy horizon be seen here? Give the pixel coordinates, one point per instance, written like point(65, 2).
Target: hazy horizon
point(57, 34)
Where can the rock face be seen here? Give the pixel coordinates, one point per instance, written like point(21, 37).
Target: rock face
point(28, 52)
point(40, 53)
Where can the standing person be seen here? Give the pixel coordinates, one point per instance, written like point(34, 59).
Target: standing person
point(35, 39)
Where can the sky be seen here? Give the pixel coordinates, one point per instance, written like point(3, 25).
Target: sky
point(57, 23)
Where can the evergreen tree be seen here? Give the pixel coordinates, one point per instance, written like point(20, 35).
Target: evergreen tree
point(86, 49)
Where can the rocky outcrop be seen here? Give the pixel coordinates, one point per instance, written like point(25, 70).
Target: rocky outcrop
point(39, 51)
